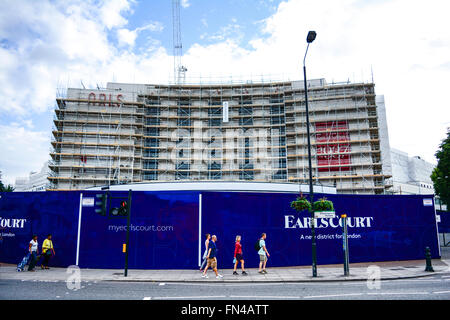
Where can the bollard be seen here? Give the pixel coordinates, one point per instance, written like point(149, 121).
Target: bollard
point(428, 267)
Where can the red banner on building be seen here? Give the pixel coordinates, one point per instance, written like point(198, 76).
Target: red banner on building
point(333, 146)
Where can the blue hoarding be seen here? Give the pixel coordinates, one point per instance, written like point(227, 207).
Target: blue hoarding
point(167, 228)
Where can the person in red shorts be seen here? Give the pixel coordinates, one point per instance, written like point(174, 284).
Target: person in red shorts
point(238, 257)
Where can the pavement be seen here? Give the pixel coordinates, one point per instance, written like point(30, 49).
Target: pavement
point(325, 273)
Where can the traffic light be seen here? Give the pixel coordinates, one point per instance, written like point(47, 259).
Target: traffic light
point(121, 211)
point(100, 204)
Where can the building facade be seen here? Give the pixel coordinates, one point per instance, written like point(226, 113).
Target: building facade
point(411, 175)
point(130, 133)
point(36, 181)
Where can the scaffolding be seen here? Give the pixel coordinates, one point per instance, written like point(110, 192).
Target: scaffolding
point(177, 132)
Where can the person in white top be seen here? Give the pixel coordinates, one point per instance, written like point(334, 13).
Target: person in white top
point(263, 254)
point(208, 236)
point(34, 251)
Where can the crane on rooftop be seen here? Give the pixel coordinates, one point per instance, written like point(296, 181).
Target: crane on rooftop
point(179, 71)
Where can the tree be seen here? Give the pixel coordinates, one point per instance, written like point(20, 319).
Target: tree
point(441, 174)
point(8, 188)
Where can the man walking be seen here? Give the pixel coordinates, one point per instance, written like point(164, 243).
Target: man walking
point(212, 260)
point(263, 254)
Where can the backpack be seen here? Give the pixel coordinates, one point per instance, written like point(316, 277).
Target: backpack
point(257, 246)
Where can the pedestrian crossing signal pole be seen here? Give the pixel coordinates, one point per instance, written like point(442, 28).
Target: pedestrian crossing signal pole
point(345, 244)
point(127, 205)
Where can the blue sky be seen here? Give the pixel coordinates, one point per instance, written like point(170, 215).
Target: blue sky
point(203, 20)
point(49, 45)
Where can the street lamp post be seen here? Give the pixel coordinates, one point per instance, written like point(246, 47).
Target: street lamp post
point(310, 38)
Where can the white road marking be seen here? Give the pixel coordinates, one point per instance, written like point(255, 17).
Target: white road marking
point(162, 284)
point(191, 297)
point(147, 298)
point(439, 292)
point(333, 295)
point(396, 293)
point(266, 297)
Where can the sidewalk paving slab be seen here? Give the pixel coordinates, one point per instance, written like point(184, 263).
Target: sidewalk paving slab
point(358, 272)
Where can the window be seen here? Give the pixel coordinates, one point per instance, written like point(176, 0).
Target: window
point(276, 100)
point(246, 121)
point(215, 112)
point(151, 142)
point(245, 111)
point(215, 102)
point(152, 132)
point(152, 101)
point(150, 164)
point(152, 121)
point(151, 153)
point(214, 172)
point(150, 175)
point(184, 122)
point(182, 171)
point(184, 111)
point(245, 101)
point(280, 175)
point(152, 110)
point(215, 122)
point(184, 102)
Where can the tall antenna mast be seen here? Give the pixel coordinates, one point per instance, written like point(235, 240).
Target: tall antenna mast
point(179, 71)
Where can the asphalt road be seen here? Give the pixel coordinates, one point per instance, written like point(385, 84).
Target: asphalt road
point(435, 288)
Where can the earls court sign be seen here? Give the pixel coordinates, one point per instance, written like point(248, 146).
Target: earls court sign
point(12, 223)
point(291, 222)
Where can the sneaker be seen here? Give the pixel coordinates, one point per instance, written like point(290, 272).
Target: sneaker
point(264, 271)
point(219, 276)
point(235, 273)
point(261, 272)
point(204, 276)
point(244, 273)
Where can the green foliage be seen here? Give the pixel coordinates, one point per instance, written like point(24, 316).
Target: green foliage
point(323, 205)
point(441, 174)
point(301, 204)
point(8, 188)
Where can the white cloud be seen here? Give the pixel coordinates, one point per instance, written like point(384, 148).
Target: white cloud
point(128, 37)
point(185, 3)
point(22, 151)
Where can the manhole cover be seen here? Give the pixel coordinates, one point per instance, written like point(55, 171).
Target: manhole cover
point(118, 274)
point(395, 268)
point(412, 267)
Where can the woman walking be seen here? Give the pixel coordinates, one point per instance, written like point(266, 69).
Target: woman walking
point(34, 251)
point(208, 236)
point(238, 257)
point(47, 250)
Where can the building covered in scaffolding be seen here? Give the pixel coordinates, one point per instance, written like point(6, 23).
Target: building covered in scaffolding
point(129, 133)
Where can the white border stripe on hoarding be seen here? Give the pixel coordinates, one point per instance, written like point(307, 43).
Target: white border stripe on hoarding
point(79, 228)
point(199, 229)
point(437, 228)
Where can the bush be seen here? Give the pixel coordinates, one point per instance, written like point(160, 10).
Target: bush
point(323, 205)
point(301, 204)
